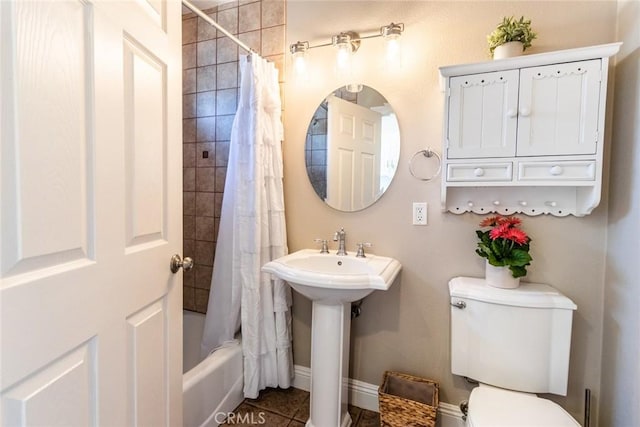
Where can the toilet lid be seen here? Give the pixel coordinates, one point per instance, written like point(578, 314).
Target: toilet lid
point(490, 406)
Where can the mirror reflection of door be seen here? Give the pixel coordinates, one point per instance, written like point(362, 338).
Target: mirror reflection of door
point(353, 154)
point(352, 151)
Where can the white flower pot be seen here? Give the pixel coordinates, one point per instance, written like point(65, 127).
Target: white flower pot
point(508, 50)
point(500, 277)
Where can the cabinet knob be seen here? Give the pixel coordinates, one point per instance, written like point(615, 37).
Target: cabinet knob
point(551, 204)
point(524, 111)
point(470, 204)
point(523, 203)
point(512, 112)
point(496, 202)
point(555, 170)
point(478, 171)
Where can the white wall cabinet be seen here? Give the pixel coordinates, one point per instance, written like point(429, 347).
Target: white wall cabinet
point(526, 134)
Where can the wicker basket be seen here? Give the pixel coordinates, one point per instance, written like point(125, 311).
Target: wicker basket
point(407, 401)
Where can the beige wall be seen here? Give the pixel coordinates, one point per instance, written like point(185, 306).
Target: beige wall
point(621, 344)
point(407, 328)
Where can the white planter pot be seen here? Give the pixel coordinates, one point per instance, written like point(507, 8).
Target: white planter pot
point(508, 50)
point(500, 277)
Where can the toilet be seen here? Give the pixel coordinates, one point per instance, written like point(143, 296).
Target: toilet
point(515, 343)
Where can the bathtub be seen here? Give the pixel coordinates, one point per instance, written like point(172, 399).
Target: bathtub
point(213, 387)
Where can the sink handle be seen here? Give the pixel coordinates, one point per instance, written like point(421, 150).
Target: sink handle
point(325, 246)
point(361, 246)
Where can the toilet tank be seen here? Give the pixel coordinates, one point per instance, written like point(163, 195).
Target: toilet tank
point(517, 339)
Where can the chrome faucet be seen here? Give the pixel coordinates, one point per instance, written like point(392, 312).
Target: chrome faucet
point(339, 237)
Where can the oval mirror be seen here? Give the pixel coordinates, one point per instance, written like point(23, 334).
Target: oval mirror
point(352, 147)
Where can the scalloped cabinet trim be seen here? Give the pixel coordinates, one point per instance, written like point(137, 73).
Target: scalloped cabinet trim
point(525, 134)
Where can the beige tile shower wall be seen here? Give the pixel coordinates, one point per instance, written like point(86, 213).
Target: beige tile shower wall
point(210, 96)
point(407, 327)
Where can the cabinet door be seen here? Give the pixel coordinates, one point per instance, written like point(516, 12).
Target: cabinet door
point(483, 115)
point(558, 109)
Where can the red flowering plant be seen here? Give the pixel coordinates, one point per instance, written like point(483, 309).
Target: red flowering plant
point(503, 243)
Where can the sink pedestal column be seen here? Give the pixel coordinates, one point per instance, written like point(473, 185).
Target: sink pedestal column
point(330, 332)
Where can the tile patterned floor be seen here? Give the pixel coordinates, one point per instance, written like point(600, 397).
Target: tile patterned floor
point(277, 407)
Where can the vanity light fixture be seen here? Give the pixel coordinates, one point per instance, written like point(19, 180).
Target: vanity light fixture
point(347, 43)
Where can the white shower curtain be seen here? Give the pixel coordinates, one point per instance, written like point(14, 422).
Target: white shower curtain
point(252, 232)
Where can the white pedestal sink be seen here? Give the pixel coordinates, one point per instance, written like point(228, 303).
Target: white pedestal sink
point(332, 282)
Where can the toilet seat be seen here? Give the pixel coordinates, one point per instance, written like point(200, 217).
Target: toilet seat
point(495, 407)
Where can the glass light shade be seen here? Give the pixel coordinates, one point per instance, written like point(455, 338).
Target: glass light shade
point(391, 34)
point(393, 51)
point(343, 57)
point(300, 63)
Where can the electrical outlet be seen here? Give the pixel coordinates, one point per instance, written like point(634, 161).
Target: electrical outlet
point(419, 213)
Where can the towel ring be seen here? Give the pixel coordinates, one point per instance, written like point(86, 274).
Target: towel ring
point(426, 153)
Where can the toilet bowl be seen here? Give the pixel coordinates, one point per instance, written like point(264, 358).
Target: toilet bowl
point(495, 407)
point(515, 343)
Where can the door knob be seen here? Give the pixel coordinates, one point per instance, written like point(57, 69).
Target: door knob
point(177, 263)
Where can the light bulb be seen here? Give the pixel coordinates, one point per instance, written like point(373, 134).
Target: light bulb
point(391, 34)
point(392, 49)
point(300, 64)
point(299, 54)
point(343, 57)
point(346, 43)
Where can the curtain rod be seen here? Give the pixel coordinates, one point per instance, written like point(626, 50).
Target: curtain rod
point(204, 16)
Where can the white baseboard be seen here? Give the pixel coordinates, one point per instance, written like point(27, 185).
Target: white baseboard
point(365, 396)
point(449, 415)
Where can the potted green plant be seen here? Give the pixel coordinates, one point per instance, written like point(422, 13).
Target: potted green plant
point(511, 37)
point(506, 248)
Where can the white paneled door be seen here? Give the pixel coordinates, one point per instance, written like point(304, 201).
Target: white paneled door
point(353, 154)
point(91, 325)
